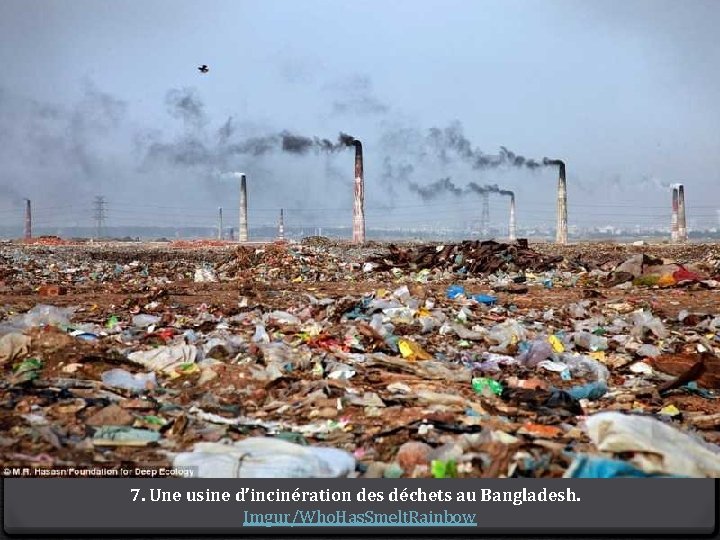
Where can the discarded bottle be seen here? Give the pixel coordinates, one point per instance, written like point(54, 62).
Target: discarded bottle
point(590, 342)
point(483, 385)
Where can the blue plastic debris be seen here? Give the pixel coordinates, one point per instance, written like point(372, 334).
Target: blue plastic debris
point(484, 299)
point(585, 466)
point(454, 291)
point(592, 391)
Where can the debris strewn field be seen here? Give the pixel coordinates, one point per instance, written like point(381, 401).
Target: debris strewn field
point(472, 359)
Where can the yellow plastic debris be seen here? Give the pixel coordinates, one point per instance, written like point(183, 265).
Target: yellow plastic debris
point(666, 280)
point(297, 279)
point(670, 410)
point(598, 355)
point(556, 344)
point(412, 351)
point(184, 369)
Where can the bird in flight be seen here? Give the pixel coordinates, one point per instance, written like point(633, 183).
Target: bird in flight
point(203, 69)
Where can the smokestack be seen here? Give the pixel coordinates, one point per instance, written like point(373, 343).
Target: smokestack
point(243, 228)
point(485, 216)
point(682, 223)
point(674, 218)
point(281, 226)
point(220, 224)
point(359, 196)
point(28, 220)
point(512, 235)
point(561, 234)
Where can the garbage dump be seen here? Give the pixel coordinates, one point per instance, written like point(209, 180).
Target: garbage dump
point(320, 359)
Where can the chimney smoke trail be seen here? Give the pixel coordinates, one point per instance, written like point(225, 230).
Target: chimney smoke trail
point(444, 185)
point(281, 226)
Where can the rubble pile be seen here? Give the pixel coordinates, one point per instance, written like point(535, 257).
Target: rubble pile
point(469, 257)
point(282, 261)
point(477, 359)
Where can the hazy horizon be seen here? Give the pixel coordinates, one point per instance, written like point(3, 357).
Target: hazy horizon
point(104, 98)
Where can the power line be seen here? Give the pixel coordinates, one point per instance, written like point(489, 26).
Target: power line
point(99, 214)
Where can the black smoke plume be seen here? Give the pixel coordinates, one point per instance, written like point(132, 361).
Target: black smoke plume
point(196, 148)
point(472, 187)
point(436, 189)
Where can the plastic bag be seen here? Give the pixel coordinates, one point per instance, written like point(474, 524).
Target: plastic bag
point(656, 446)
point(40, 315)
point(119, 378)
point(585, 367)
point(537, 351)
point(266, 457)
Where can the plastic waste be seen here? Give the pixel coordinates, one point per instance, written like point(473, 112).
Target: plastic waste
point(587, 466)
point(556, 343)
point(506, 334)
point(266, 457)
point(39, 315)
point(119, 378)
point(12, 346)
point(656, 447)
point(454, 291)
point(205, 275)
point(443, 469)
point(261, 335)
point(537, 351)
point(27, 370)
point(643, 321)
point(483, 385)
point(143, 320)
point(592, 391)
point(412, 351)
point(165, 359)
point(124, 436)
point(484, 299)
point(283, 317)
point(682, 274)
point(495, 362)
point(582, 366)
point(590, 342)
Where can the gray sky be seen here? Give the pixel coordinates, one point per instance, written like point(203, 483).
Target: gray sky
point(626, 92)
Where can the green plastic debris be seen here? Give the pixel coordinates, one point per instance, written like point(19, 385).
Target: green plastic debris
point(292, 437)
point(646, 281)
point(153, 420)
point(112, 322)
point(27, 370)
point(393, 471)
point(443, 469)
point(479, 384)
point(31, 364)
